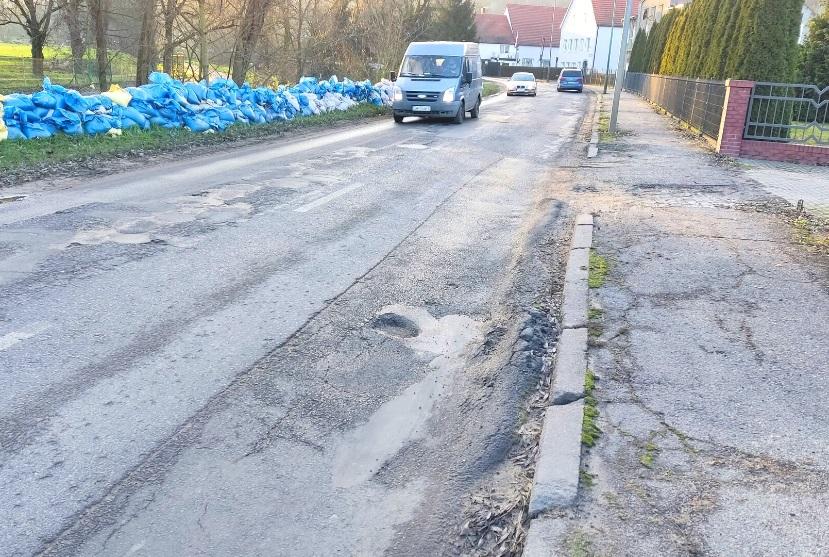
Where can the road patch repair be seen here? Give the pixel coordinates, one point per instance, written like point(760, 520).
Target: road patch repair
point(556, 480)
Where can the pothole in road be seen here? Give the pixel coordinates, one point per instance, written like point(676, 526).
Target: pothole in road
point(395, 325)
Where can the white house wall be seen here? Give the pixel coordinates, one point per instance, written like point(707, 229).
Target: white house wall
point(578, 35)
point(490, 51)
point(602, 45)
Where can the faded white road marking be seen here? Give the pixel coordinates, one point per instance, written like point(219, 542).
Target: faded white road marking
point(12, 338)
point(325, 199)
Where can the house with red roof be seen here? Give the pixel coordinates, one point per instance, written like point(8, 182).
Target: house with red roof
point(523, 35)
point(591, 33)
point(495, 39)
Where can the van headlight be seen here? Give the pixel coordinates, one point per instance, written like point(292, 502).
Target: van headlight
point(398, 93)
point(449, 95)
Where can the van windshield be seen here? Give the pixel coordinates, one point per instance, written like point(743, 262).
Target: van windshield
point(423, 65)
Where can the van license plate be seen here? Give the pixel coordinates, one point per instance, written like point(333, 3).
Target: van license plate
point(422, 108)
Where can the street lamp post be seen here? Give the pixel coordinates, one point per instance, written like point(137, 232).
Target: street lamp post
point(610, 45)
point(620, 70)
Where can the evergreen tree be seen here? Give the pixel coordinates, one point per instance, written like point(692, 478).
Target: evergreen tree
point(699, 35)
point(714, 59)
point(455, 21)
point(673, 45)
point(814, 62)
point(766, 48)
point(657, 39)
point(638, 53)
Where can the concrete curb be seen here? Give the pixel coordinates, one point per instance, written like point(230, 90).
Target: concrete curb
point(574, 305)
point(571, 365)
point(593, 147)
point(556, 480)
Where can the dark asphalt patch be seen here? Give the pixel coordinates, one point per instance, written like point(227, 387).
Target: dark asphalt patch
point(395, 325)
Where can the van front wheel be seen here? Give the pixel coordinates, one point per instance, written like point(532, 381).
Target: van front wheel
point(460, 115)
point(475, 112)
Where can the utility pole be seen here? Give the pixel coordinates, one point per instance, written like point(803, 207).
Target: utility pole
point(609, 46)
point(620, 71)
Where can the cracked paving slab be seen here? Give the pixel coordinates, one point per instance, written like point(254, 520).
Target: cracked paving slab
point(713, 398)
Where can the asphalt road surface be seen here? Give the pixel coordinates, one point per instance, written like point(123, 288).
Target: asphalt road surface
point(289, 348)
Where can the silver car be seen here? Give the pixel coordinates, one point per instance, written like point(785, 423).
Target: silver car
point(522, 83)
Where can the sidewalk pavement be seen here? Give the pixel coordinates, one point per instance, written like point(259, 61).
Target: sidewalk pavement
point(708, 339)
point(793, 182)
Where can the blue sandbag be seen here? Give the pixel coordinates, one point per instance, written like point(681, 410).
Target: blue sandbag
point(196, 123)
point(164, 122)
point(74, 101)
point(44, 99)
point(14, 131)
point(66, 121)
point(132, 114)
point(96, 124)
point(138, 93)
point(144, 107)
point(16, 100)
point(35, 130)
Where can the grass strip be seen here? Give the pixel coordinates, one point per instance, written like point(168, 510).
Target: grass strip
point(18, 154)
point(599, 267)
point(590, 432)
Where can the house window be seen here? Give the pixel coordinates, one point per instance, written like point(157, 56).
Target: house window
point(526, 61)
point(504, 49)
point(588, 44)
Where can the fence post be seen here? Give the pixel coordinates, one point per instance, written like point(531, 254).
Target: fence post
point(733, 120)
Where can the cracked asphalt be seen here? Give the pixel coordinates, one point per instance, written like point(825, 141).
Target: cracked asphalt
point(192, 362)
point(709, 347)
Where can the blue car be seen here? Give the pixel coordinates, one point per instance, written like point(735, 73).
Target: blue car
point(570, 80)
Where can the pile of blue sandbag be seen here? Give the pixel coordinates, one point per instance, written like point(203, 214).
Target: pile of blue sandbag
point(170, 103)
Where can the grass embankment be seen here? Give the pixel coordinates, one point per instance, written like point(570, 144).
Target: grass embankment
point(16, 75)
point(22, 154)
point(491, 88)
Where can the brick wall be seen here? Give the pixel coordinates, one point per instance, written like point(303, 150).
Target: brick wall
point(786, 152)
point(732, 126)
point(735, 109)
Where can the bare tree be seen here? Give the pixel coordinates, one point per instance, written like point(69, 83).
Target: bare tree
point(74, 16)
point(35, 17)
point(99, 14)
point(145, 57)
point(251, 22)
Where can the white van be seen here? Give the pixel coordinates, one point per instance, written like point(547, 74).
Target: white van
point(439, 80)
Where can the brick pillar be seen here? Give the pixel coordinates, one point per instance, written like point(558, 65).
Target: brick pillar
point(735, 109)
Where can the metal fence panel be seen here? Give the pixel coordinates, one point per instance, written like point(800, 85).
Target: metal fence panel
point(787, 112)
point(697, 102)
point(17, 75)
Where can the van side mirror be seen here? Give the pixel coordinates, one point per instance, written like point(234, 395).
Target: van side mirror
point(392, 76)
point(467, 77)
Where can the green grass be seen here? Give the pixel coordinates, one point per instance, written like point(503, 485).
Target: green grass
point(811, 234)
point(19, 154)
point(604, 127)
point(16, 73)
point(579, 545)
point(649, 454)
point(590, 431)
point(587, 479)
point(599, 267)
point(491, 89)
point(809, 134)
point(594, 325)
